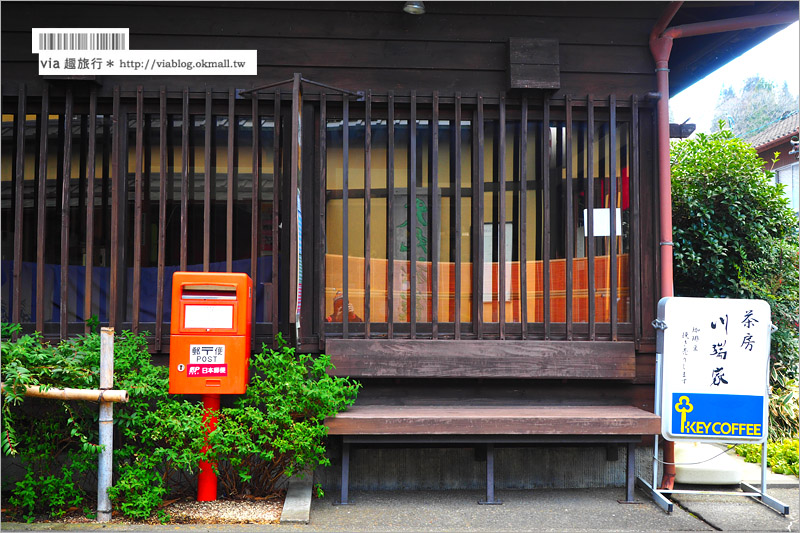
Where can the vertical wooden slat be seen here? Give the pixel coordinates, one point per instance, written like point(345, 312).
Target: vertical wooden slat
point(390, 212)
point(41, 207)
point(523, 219)
point(478, 207)
point(230, 156)
point(65, 186)
point(105, 184)
point(184, 177)
point(570, 221)
point(19, 191)
point(254, 203)
point(433, 243)
point(412, 214)
point(322, 240)
point(207, 185)
point(612, 135)
point(59, 169)
point(83, 148)
point(635, 269)
point(501, 176)
point(367, 199)
point(294, 180)
point(162, 212)
point(137, 210)
point(590, 214)
point(119, 128)
point(457, 229)
point(147, 186)
point(276, 195)
point(546, 214)
point(345, 212)
point(90, 175)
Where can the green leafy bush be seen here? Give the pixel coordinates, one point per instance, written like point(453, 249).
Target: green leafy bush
point(782, 455)
point(275, 430)
point(736, 236)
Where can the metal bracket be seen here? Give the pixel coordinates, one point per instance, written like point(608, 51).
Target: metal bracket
point(659, 324)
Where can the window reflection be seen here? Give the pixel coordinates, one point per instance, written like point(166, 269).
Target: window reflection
point(390, 241)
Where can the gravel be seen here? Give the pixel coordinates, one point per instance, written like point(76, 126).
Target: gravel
point(226, 512)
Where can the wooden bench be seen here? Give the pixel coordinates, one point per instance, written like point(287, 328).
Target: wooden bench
point(462, 418)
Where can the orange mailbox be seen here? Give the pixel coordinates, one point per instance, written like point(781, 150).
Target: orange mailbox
point(212, 316)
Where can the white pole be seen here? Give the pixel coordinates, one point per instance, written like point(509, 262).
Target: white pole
point(106, 426)
point(657, 410)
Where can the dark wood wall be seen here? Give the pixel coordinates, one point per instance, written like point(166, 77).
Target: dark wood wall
point(455, 46)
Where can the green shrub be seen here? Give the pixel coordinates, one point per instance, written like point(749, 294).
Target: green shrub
point(274, 430)
point(782, 455)
point(736, 236)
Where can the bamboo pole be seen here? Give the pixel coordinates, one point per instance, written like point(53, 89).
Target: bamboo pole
point(107, 397)
point(92, 395)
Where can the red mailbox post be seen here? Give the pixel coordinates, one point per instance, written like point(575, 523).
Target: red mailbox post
point(209, 354)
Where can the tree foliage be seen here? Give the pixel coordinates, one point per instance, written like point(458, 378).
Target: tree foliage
point(759, 103)
point(736, 236)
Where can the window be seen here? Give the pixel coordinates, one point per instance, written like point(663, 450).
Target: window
point(789, 176)
point(419, 242)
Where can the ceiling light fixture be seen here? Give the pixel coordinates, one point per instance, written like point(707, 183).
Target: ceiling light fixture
point(414, 8)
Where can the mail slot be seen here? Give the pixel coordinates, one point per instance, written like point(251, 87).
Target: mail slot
point(212, 316)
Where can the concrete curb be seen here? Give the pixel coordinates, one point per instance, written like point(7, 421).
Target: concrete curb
point(297, 506)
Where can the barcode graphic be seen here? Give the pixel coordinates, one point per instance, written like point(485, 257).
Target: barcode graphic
point(82, 41)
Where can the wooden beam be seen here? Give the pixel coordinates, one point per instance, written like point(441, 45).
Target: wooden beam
point(137, 212)
point(41, 208)
point(184, 177)
point(65, 218)
point(209, 132)
point(487, 359)
point(19, 191)
point(494, 420)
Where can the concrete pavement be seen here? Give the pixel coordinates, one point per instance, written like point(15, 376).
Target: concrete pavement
point(543, 510)
point(540, 510)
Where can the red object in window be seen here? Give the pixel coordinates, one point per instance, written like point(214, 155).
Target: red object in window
point(625, 201)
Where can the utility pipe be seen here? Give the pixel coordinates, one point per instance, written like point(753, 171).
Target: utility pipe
point(661, 47)
point(732, 24)
point(105, 461)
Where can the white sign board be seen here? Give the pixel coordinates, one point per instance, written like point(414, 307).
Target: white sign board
point(206, 360)
point(715, 373)
point(208, 316)
point(601, 222)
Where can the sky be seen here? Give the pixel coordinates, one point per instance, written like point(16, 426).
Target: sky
point(776, 59)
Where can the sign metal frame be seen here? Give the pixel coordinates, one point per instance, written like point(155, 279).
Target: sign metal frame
point(668, 388)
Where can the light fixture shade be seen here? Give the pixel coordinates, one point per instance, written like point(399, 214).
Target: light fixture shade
point(414, 8)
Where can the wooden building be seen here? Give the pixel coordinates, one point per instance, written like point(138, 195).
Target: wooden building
point(781, 137)
point(478, 182)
